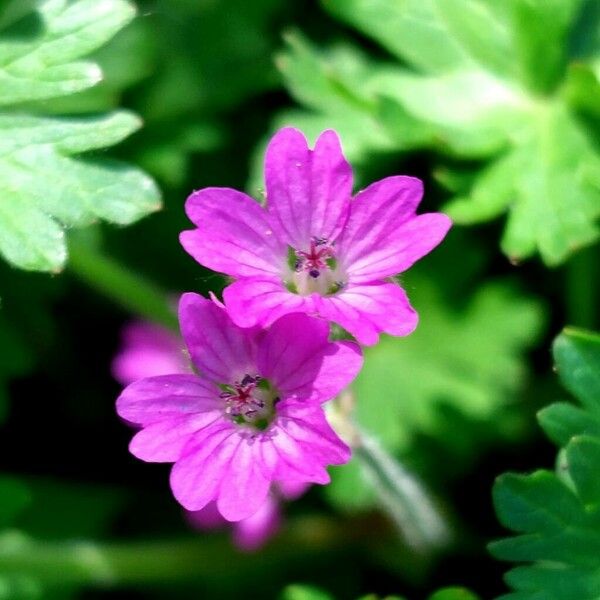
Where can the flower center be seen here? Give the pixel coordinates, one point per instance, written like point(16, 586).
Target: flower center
point(250, 401)
point(314, 270)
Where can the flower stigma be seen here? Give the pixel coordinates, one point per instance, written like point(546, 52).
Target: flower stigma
point(250, 401)
point(314, 270)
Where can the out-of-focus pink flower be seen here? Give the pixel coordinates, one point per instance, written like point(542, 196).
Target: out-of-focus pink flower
point(314, 248)
point(148, 350)
point(253, 532)
point(252, 417)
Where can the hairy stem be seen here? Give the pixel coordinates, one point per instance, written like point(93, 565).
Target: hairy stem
point(401, 494)
point(404, 498)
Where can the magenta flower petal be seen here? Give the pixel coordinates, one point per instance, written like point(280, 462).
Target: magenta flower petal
point(308, 191)
point(293, 460)
point(412, 240)
point(148, 350)
point(262, 301)
point(366, 310)
point(303, 430)
point(297, 356)
point(234, 234)
point(377, 212)
point(165, 441)
point(164, 397)
point(247, 484)
point(251, 533)
point(220, 350)
point(383, 235)
point(224, 464)
point(196, 477)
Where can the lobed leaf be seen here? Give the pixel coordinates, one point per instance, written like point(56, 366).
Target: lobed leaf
point(558, 515)
point(45, 187)
point(37, 57)
point(504, 81)
point(412, 30)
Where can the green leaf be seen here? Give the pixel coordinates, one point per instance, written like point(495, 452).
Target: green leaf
point(44, 186)
point(481, 28)
point(37, 58)
point(411, 29)
point(438, 99)
point(583, 459)
point(548, 183)
point(540, 31)
point(326, 82)
point(581, 90)
point(494, 80)
point(577, 355)
point(75, 193)
point(472, 112)
point(491, 193)
point(561, 421)
point(558, 515)
point(13, 10)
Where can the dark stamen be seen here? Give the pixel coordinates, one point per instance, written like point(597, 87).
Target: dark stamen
point(247, 380)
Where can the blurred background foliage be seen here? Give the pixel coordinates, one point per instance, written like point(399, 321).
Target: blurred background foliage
point(495, 105)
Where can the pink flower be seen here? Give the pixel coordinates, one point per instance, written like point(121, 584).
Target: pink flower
point(253, 415)
point(315, 249)
point(148, 350)
point(248, 534)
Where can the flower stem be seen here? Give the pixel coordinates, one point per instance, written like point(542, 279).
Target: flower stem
point(126, 288)
point(403, 496)
point(400, 493)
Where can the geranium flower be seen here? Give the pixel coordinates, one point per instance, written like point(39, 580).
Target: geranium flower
point(148, 350)
point(253, 415)
point(314, 248)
